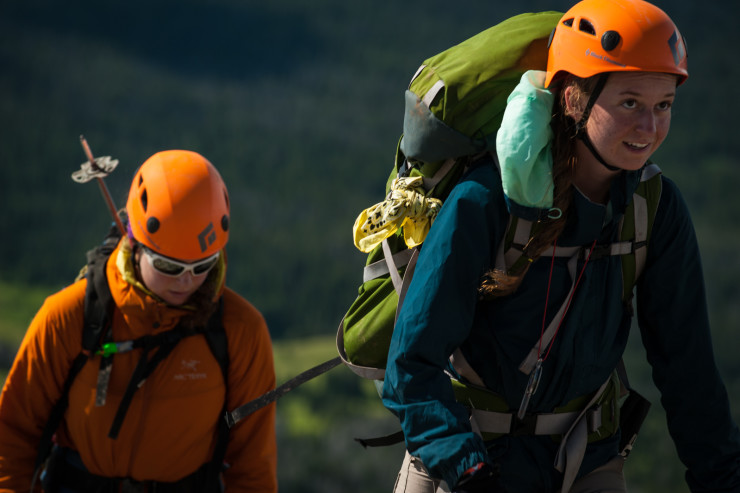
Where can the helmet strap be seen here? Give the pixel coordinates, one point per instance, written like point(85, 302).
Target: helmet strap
point(581, 132)
point(586, 140)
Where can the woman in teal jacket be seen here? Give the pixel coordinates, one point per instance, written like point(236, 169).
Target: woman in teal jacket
point(613, 69)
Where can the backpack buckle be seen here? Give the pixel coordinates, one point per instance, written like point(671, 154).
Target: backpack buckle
point(525, 426)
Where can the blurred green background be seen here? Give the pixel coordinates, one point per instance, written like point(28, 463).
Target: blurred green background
point(300, 106)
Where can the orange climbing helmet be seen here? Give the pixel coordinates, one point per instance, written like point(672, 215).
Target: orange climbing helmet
point(598, 36)
point(178, 206)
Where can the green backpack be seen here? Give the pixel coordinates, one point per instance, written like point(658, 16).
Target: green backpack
point(454, 106)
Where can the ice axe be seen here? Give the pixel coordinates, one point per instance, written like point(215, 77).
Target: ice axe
point(99, 168)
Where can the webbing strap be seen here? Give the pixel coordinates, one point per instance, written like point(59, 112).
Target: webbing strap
point(391, 262)
point(233, 417)
point(529, 362)
point(407, 276)
point(522, 231)
point(463, 368)
point(416, 74)
point(57, 413)
point(573, 446)
point(543, 424)
point(384, 441)
point(143, 369)
point(380, 267)
point(392, 267)
point(432, 182)
point(641, 232)
point(432, 93)
point(368, 372)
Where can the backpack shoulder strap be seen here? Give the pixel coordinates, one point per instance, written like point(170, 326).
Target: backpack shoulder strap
point(215, 335)
point(97, 308)
point(636, 226)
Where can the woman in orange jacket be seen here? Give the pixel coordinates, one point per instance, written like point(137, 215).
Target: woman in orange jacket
point(137, 421)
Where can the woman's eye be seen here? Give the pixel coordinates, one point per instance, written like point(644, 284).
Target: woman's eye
point(665, 105)
point(629, 104)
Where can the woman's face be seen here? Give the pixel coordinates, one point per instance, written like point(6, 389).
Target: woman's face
point(173, 290)
point(631, 117)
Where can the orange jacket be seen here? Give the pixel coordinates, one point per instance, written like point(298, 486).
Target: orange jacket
point(170, 428)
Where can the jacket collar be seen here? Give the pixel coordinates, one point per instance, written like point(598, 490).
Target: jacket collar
point(589, 221)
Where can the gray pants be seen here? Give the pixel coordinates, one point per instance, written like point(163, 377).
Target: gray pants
point(414, 478)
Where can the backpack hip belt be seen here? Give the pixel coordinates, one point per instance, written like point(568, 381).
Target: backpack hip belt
point(491, 417)
point(575, 425)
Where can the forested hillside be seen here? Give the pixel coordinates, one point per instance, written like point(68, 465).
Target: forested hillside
point(300, 106)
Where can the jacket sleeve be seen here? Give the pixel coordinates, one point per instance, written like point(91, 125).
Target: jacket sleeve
point(252, 449)
point(35, 383)
point(435, 319)
point(674, 323)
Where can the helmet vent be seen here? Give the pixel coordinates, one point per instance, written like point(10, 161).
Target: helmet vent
point(568, 22)
point(585, 26)
point(144, 200)
point(225, 222)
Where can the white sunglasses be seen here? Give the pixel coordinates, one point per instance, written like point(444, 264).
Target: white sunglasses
point(174, 268)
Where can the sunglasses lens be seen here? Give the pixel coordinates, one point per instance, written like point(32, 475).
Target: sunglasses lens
point(166, 267)
point(171, 267)
point(205, 266)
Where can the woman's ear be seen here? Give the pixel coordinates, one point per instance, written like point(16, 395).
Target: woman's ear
point(573, 102)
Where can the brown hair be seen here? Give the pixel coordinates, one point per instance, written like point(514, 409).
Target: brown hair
point(498, 282)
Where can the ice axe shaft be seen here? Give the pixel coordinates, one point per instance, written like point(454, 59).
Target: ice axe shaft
point(101, 183)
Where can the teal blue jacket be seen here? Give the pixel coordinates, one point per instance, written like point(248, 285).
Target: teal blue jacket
point(442, 312)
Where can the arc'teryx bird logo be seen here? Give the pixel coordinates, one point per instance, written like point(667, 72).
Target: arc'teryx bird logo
point(189, 369)
point(206, 237)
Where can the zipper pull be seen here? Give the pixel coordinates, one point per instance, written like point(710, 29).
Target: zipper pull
point(532, 384)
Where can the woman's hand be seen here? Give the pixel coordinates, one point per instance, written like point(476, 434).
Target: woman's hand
point(481, 478)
